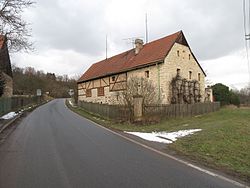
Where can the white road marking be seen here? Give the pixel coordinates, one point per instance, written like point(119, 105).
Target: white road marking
point(169, 156)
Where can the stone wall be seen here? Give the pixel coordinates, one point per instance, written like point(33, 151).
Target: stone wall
point(185, 62)
point(110, 97)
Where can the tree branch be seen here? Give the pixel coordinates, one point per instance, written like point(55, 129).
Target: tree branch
point(13, 26)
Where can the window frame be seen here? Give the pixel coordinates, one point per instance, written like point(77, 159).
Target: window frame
point(88, 92)
point(178, 71)
point(190, 75)
point(199, 76)
point(100, 91)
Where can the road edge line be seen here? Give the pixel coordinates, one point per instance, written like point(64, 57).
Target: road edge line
point(166, 155)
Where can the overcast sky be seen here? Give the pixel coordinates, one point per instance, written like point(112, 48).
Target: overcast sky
point(69, 35)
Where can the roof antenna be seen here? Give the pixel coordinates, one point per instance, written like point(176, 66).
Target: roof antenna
point(131, 40)
point(146, 24)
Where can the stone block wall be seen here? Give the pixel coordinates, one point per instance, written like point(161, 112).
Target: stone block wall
point(180, 57)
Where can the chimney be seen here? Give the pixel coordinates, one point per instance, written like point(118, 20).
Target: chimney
point(138, 45)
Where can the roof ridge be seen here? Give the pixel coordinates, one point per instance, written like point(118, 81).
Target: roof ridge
point(157, 40)
point(151, 52)
point(127, 51)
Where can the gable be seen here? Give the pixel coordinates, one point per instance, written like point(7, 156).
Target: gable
point(186, 56)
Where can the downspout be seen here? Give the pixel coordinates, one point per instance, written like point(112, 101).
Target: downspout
point(159, 87)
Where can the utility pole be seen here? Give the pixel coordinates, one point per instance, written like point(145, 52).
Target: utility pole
point(246, 17)
point(146, 24)
point(106, 46)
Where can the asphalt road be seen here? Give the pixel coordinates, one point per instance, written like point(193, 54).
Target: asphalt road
point(55, 148)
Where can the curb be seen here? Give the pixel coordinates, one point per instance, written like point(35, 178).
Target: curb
point(9, 123)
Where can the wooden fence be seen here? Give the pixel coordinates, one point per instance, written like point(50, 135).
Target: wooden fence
point(117, 112)
point(15, 103)
point(181, 110)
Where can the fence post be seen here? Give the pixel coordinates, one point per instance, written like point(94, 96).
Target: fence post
point(137, 107)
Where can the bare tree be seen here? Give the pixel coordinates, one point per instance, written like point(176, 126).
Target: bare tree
point(139, 86)
point(244, 95)
point(13, 26)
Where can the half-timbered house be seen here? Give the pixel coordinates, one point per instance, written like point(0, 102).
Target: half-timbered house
point(159, 61)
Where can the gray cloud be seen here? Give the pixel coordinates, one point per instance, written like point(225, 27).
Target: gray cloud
point(69, 25)
point(213, 28)
point(70, 34)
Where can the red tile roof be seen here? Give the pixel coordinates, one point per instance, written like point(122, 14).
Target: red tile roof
point(152, 52)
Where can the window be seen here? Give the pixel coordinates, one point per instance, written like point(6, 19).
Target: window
point(190, 75)
point(178, 53)
point(147, 74)
point(113, 78)
point(199, 76)
point(100, 91)
point(178, 72)
point(88, 93)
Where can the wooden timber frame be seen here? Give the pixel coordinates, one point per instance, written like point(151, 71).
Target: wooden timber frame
point(119, 84)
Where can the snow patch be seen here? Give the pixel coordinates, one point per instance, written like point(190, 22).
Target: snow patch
point(164, 137)
point(70, 102)
point(10, 115)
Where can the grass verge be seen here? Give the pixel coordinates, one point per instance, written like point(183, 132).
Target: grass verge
point(223, 143)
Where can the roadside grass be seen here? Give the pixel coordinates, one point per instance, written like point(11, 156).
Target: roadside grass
point(223, 143)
